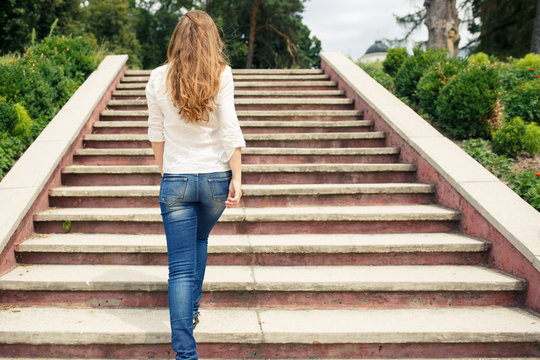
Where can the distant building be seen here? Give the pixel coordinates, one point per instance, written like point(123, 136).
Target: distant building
point(376, 52)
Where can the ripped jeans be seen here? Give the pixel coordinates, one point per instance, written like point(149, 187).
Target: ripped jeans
point(191, 204)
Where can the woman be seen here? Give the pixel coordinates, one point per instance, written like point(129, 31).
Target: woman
point(197, 141)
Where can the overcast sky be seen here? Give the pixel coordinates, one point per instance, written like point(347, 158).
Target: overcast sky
point(351, 26)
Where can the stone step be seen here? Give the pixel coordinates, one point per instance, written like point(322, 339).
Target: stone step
point(319, 94)
point(261, 244)
point(251, 155)
point(245, 71)
point(249, 114)
point(84, 175)
point(248, 127)
point(300, 140)
point(253, 151)
point(263, 278)
point(270, 220)
point(246, 77)
point(263, 101)
point(268, 85)
point(256, 104)
point(277, 71)
point(253, 195)
point(254, 137)
point(288, 249)
point(237, 332)
point(330, 282)
point(250, 190)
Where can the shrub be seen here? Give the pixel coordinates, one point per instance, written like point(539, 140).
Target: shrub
point(529, 62)
point(531, 143)
point(75, 55)
point(527, 185)
point(35, 85)
point(394, 59)
point(479, 58)
point(376, 72)
point(523, 101)
point(429, 86)
point(468, 102)
point(413, 69)
point(478, 149)
point(8, 116)
point(509, 140)
point(27, 86)
point(23, 124)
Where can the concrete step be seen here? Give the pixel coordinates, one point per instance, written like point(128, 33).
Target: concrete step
point(242, 94)
point(288, 249)
point(237, 332)
point(247, 77)
point(267, 85)
point(263, 101)
point(248, 127)
point(263, 278)
point(253, 195)
point(245, 71)
point(325, 115)
point(84, 175)
point(270, 220)
point(276, 71)
point(299, 140)
point(228, 285)
point(251, 155)
point(256, 104)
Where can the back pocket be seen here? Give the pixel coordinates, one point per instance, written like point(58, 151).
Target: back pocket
point(220, 188)
point(172, 189)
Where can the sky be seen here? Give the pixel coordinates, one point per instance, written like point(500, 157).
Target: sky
point(351, 26)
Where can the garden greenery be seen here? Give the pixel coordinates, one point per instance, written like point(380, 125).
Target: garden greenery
point(493, 105)
point(35, 85)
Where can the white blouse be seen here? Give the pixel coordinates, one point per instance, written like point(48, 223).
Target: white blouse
point(193, 147)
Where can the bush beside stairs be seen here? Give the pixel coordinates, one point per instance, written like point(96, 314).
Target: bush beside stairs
point(337, 251)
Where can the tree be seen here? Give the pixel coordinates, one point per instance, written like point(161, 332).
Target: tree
point(155, 21)
point(443, 25)
point(503, 27)
point(266, 33)
point(535, 39)
point(110, 22)
point(19, 17)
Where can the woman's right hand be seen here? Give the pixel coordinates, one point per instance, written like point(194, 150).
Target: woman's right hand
point(235, 193)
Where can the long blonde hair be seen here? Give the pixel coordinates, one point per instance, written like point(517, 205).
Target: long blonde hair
point(196, 60)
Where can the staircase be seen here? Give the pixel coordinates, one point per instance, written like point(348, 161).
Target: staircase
point(336, 252)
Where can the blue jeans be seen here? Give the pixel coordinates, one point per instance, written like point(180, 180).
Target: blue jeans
point(191, 204)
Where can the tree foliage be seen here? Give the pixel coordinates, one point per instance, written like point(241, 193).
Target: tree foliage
point(280, 38)
point(142, 28)
point(504, 27)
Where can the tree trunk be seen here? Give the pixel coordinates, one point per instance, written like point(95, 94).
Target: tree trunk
point(535, 41)
point(443, 25)
point(252, 31)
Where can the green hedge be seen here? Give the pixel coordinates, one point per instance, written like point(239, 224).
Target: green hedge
point(34, 86)
point(375, 70)
point(494, 103)
point(525, 183)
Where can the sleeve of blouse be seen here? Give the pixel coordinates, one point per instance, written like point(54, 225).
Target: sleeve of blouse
point(231, 133)
point(155, 115)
